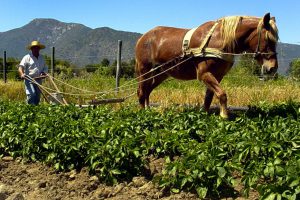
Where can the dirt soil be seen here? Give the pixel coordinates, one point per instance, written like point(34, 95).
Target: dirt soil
point(20, 180)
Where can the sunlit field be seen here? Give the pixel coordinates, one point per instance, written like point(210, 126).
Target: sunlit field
point(254, 153)
point(242, 90)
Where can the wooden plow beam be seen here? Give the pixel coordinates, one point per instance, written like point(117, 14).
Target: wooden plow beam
point(106, 101)
point(56, 97)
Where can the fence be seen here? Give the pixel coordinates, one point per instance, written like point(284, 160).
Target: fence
point(118, 64)
point(52, 65)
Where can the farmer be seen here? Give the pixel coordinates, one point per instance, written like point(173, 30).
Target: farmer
point(33, 66)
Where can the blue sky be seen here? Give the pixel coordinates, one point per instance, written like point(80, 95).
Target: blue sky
point(142, 15)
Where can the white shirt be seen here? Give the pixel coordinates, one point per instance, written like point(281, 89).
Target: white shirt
point(33, 66)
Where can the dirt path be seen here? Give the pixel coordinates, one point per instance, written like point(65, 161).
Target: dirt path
point(32, 181)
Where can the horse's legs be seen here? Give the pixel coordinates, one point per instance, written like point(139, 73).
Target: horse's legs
point(213, 85)
point(144, 92)
point(146, 87)
point(158, 80)
point(209, 94)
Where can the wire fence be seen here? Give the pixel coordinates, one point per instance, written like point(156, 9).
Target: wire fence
point(280, 60)
point(283, 61)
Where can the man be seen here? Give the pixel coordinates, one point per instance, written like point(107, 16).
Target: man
point(33, 66)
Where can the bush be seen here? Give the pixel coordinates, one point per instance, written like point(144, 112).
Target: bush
point(294, 70)
point(249, 65)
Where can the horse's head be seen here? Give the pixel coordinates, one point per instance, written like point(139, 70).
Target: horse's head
point(265, 45)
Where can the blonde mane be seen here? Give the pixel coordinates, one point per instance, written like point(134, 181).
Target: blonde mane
point(231, 23)
point(228, 30)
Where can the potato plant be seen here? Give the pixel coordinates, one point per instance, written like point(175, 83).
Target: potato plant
point(202, 152)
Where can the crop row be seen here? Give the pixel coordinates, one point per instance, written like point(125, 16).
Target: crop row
point(202, 152)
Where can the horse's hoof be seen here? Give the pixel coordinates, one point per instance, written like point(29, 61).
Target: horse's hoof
point(224, 115)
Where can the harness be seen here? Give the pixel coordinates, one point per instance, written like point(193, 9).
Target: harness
point(206, 52)
point(257, 52)
point(203, 50)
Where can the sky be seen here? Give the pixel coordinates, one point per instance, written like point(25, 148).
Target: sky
point(143, 15)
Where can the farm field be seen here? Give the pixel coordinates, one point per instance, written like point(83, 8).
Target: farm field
point(174, 151)
point(242, 90)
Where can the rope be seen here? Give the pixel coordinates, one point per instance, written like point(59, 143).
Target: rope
point(161, 72)
point(89, 93)
point(129, 84)
point(40, 86)
point(125, 85)
point(153, 69)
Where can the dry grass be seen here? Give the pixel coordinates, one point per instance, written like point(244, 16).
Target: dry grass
point(12, 90)
point(237, 95)
point(175, 92)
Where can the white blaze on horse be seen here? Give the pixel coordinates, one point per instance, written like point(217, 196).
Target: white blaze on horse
point(206, 53)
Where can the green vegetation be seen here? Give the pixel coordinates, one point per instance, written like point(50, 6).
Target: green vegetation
point(202, 152)
point(259, 149)
point(294, 70)
point(249, 65)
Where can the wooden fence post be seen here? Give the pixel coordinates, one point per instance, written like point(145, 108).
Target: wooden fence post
point(4, 68)
point(53, 61)
point(118, 65)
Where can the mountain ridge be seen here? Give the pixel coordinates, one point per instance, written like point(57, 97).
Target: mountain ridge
point(72, 41)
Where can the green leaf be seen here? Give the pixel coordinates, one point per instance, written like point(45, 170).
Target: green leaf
point(94, 165)
point(183, 182)
point(115, 171)
point(221, 172)
point(201, 191)
point(278, 196)
point(256, 150)
point(45, 145)
point(294, 183)
point(279, 171)
point(270, 196)
point(136, 153)
point(219, 181)
point(175, 190)
point(277, 161)
point(57, 166)
point(269, 170)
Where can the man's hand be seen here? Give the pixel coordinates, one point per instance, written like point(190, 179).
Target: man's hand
point(43, 75)
point(22, 76)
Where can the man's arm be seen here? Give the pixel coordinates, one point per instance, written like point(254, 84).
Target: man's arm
point(21, 71)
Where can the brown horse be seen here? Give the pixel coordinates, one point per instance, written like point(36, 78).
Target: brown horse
point(225, 38)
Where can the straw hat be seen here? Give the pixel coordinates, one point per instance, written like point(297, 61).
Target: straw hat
point(35, 43)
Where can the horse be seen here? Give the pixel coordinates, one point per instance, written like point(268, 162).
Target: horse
point(205, 53)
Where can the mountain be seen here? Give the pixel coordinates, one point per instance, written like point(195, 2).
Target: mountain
point(82, 45)
point(73, 42)
point(286, 53)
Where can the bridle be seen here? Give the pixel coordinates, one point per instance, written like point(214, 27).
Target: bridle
point(257, 53)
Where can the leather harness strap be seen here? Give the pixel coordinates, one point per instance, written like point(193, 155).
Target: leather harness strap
point(202, 50)
point(187, 39)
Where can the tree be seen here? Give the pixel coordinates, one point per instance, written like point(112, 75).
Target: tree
point(105, 62)
point(294, 70)
point(249, 64)
point(91, 67)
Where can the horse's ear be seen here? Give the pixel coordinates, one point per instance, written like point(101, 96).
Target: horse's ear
point(273, 19)
point(266, 20)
